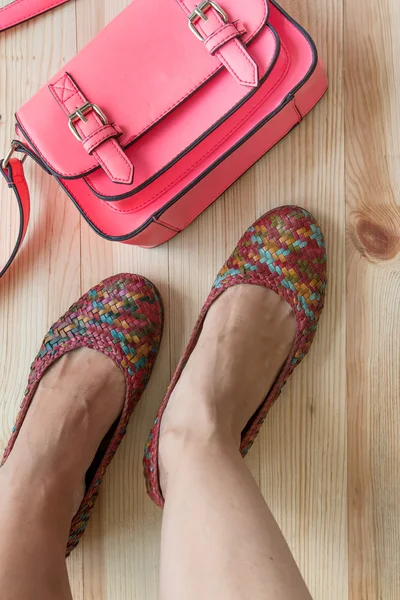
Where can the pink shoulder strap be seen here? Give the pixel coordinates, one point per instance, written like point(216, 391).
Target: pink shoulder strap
point(22, 10)
point(14, 176)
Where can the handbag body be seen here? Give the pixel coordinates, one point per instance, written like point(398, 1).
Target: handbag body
point(163, 110)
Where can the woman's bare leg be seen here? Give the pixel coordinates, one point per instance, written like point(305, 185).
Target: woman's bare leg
point(42, 482)
point(219, 539)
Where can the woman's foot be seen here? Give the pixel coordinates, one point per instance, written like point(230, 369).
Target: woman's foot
point(77, 400)
point(102, 352)
point(246, 338)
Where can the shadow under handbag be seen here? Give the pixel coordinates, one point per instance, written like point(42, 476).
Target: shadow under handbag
point(163, 111)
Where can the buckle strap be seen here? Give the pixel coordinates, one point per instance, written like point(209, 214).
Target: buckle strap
point(85, 119)
point(102, 134)
point(200, 13)
point(207, 18)
point(223, 35)
point(80, 114)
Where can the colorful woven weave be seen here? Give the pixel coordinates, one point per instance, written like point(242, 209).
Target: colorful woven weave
point(283, 251)
point(122, 317)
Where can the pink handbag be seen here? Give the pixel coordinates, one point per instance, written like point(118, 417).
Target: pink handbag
point(156, 117)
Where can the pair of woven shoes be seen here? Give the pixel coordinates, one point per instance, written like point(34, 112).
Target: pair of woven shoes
point(122, 317)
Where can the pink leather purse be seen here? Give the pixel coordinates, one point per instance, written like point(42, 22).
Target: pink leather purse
point(145, 130)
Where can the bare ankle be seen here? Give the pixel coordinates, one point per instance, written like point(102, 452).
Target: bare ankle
point(180, 435)
point(36, 497)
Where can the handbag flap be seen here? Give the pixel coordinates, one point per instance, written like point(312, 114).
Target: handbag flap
point(138, 70)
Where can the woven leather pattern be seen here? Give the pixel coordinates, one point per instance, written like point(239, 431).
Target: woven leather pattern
point(283, 251)
point(121, 317)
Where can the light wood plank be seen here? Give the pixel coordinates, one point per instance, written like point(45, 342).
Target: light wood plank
point(372, 54)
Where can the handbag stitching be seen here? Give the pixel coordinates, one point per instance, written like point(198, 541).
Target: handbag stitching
point(106, 136)
point(230, 67)
point(218, 45)
point(113, 144)
point(218, 31)
point(236, 33)
point(109, 126)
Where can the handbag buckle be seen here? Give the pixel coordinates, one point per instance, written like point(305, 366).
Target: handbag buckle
point(80, 115)
point(199, 13)
point(13, 149)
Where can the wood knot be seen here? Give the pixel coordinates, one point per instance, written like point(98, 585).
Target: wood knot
point(378, 241)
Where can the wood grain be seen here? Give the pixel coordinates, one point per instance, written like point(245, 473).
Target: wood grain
point(327, 459)
point(372, 52)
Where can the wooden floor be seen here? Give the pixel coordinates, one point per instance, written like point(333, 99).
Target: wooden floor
point(328, 459)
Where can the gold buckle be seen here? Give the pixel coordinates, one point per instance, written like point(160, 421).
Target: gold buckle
point(199, 13)
point(13, 148)
point(80, 115)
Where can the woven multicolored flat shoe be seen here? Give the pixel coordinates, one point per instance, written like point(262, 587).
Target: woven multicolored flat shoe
point(121, 317)
point(283, 251)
